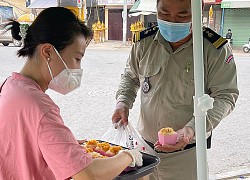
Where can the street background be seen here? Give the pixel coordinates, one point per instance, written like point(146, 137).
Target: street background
point(88, 110)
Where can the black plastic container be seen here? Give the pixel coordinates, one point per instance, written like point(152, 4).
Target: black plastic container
point(149, 163)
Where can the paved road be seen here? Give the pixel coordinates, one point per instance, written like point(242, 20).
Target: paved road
point(87, 111)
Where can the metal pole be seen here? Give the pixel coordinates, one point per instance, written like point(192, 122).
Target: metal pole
point(124, 16)
point(80, 12)
point(222, 22)
point(85, 11)
point(200, 116)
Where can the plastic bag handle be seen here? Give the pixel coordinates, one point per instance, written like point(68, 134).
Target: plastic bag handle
point(137, 136)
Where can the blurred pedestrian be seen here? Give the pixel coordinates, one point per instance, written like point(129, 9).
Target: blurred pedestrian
point(229, 36)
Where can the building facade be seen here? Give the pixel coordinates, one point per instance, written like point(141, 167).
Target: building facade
point(113, 12)
point(19, 6)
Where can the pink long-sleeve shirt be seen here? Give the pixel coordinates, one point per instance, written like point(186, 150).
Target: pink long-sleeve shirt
point(34, 142)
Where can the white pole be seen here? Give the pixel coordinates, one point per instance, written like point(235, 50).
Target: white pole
point(85, 11)
point(80, 12)
point(200, 116)
point(124, 16)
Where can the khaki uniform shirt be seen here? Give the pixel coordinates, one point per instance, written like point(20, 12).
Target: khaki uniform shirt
point(169, 102)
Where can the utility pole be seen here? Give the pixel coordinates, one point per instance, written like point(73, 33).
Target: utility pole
point(124, 16)
point(85, 11)
point(79, 5)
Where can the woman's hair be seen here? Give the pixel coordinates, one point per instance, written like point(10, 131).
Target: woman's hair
point(56, 25)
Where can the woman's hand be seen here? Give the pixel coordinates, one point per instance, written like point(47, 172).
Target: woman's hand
point(81, 141)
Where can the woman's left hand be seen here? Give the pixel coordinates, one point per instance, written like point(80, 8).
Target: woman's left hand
point(81, 141)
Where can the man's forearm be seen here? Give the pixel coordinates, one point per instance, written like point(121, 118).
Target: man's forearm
point(127, 91)
point(223, 106)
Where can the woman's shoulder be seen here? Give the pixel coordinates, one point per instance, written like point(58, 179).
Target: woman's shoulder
point(27, 94)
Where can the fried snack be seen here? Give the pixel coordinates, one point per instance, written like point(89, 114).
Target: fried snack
point(91, 143)
point(113, 150)
point(102, 148)
point(89, 150)
point(96, 155)
point(167, 131)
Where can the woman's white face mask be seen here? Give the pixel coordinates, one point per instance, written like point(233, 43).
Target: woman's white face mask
point(67, 81)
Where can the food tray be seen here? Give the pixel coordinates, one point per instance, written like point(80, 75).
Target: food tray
point(149, 163)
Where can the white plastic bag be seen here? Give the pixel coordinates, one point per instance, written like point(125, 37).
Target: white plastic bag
point(128, 137)
point(115, 135)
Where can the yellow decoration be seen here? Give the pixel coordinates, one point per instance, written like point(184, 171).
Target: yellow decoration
point(99, 31)
point(211, 12)
point(136, 28)
point(26, 18)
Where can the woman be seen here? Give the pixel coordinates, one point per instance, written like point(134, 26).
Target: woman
point(35, 143)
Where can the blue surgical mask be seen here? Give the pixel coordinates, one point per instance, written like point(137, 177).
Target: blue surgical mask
point(174, 32)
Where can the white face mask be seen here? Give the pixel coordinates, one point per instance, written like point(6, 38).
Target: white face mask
point(67, 81)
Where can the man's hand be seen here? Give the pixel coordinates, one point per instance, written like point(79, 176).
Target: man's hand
point(121, 113)
point(185, 135)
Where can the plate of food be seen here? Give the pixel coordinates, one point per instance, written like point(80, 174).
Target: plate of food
point(101, 149)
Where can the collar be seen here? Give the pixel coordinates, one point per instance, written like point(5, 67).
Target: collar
point(20, 77)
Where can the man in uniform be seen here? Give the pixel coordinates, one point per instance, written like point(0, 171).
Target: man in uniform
point(161, 63)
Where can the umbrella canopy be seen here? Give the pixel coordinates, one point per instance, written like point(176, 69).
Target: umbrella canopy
point(26, 18)
point(235, 4)
point(144, 6)
point(42, 4)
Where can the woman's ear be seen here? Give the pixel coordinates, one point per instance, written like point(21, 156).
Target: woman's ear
point(46, 51)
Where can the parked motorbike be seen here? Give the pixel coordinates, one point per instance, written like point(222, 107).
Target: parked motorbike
point(246, 47)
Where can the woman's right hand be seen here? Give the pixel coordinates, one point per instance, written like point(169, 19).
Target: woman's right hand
point(135, 155)
point(109, 168)
point(121, 113)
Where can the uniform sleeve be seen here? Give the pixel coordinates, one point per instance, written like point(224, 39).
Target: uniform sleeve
point(130, 83)
point(220, 84)
point(64, 156)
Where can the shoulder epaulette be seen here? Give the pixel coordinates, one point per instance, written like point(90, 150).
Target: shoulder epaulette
point(214, 38)
point(145, 33)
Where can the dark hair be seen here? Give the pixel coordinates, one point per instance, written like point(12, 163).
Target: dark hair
point(56, 25)
point(229, 30)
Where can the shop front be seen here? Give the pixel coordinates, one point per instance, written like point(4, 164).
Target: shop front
point(236, 16)
point(113, 18)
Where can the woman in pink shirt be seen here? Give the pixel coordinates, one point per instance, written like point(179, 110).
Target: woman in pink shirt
point(35, 143)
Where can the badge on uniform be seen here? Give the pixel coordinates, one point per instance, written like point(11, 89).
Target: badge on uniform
point(146, 85)
point(228, 60)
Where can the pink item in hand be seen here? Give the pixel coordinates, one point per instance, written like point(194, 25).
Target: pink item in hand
point(167, 136)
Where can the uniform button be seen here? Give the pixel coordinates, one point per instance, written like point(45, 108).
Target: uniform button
point(167, 79)
point(159, 124)
point(192, 81)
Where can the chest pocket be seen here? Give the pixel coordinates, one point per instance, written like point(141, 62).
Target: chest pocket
point(185, 88)
point(152, 74)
